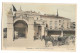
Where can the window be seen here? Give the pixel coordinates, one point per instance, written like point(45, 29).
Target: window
point(43, 22)
point(50, 23)
point(37, 18)
point(59, 24)
point(59, 21)
point(55, 24)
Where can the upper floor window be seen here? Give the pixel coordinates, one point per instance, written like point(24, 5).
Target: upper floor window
point(37, 18)
point(43, 22)
point(50, 23)
point(59, 24)
point(59, 21)
point(55, 24)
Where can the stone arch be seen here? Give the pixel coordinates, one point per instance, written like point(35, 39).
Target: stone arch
point(21, 19)
point(20, 29)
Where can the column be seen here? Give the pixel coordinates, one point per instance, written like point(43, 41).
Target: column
point(30, 35)
point(61, 33)
point(10, 30)
point(26, 32)
point(9, 35)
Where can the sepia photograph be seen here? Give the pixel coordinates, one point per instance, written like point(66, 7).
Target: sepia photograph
point(39, 26)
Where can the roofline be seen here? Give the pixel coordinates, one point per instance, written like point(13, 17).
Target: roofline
point(54, 16)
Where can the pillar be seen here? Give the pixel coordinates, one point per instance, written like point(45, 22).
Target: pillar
point(30, 35)
point(26, 32)
point(61, 33)
point(10, 29)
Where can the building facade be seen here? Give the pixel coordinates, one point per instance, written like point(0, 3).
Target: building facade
point(28, 24)
point(73, 25)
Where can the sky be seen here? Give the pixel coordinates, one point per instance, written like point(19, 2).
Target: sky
point(64, 10)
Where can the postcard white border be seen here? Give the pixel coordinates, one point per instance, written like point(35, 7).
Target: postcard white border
point(46, 1)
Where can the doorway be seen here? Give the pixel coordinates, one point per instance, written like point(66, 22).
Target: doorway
point(20, 29)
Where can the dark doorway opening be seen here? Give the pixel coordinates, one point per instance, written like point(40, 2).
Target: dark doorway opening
point(37, 29)
point(20, 29)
